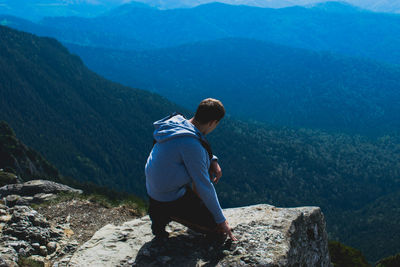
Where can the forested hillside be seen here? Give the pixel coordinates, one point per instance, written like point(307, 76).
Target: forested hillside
point(265, 82)
point(19, 159)
point(96, 130)
point(90, 128)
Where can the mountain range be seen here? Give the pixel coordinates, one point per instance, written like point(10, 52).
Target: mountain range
point(37, 9)
point(320, 91)
point(95, 130)
point(333, 27)
point(392, 6)
point(265, 82)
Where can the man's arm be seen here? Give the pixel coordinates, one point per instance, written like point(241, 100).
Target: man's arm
point(195, 160)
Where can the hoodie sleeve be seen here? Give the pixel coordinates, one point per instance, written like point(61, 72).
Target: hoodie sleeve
point(195, 159)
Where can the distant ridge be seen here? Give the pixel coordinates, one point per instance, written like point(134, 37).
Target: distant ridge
point(36, 10)
point(334, 27)
point(339, 6)
point(265, 82)
point(391, 6)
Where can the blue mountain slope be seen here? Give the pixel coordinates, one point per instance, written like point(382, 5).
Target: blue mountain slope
point(355, 33)
point(265, 82)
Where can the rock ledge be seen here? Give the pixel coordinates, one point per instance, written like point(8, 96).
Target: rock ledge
point(268, 236)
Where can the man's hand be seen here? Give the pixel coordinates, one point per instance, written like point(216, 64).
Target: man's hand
point(215, 171)
point(225, 229)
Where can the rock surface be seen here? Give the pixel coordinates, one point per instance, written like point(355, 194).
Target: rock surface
point(34, 187)
point(24, 232)
point(267, 236)
point(35, 191)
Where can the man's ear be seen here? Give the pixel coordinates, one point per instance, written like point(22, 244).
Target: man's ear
point(210, 123)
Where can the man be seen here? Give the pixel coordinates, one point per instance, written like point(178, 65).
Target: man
point(182, 158)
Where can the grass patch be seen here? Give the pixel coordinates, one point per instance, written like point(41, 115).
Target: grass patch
point(128, 202)
point(7, 178)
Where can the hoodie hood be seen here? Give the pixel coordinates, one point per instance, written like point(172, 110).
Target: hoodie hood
point(174, 126)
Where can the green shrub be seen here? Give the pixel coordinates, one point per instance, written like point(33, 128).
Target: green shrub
point(344, 256)
point(392, 261)
point(7, 178)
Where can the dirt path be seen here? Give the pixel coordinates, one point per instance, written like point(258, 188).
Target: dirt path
point(84, 217)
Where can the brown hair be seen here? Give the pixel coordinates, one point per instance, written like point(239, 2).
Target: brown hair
point(208, 110)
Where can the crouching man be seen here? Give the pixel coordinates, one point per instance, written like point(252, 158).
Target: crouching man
point(180, 170)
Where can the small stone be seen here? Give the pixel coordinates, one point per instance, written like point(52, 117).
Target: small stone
point(5, 218)
point(43, 251)
point(11, 200)
point(239, 251)
point(36, 246)
point(131, 262)
point(22, 252)
point(41, 197)
point(68, 232)
point(24, 201)
point(51, 247)
point(226, 252)
point(3, 263)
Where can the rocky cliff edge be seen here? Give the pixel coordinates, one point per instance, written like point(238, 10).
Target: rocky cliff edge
point(267, 236)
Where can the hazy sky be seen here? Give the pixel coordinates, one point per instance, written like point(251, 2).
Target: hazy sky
point(95, 7)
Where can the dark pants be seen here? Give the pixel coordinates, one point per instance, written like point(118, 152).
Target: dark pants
point(188, 210)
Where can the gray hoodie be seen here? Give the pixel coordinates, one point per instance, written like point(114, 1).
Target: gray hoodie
point(177, 160)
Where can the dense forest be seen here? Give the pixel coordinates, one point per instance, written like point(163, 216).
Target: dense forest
point(281, 85)
point(90, 128)
point(19, 159)
point(97, 131)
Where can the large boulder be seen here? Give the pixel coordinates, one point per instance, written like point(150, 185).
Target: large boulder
point(35, 191)
point(267, 236)
point(34, 187)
